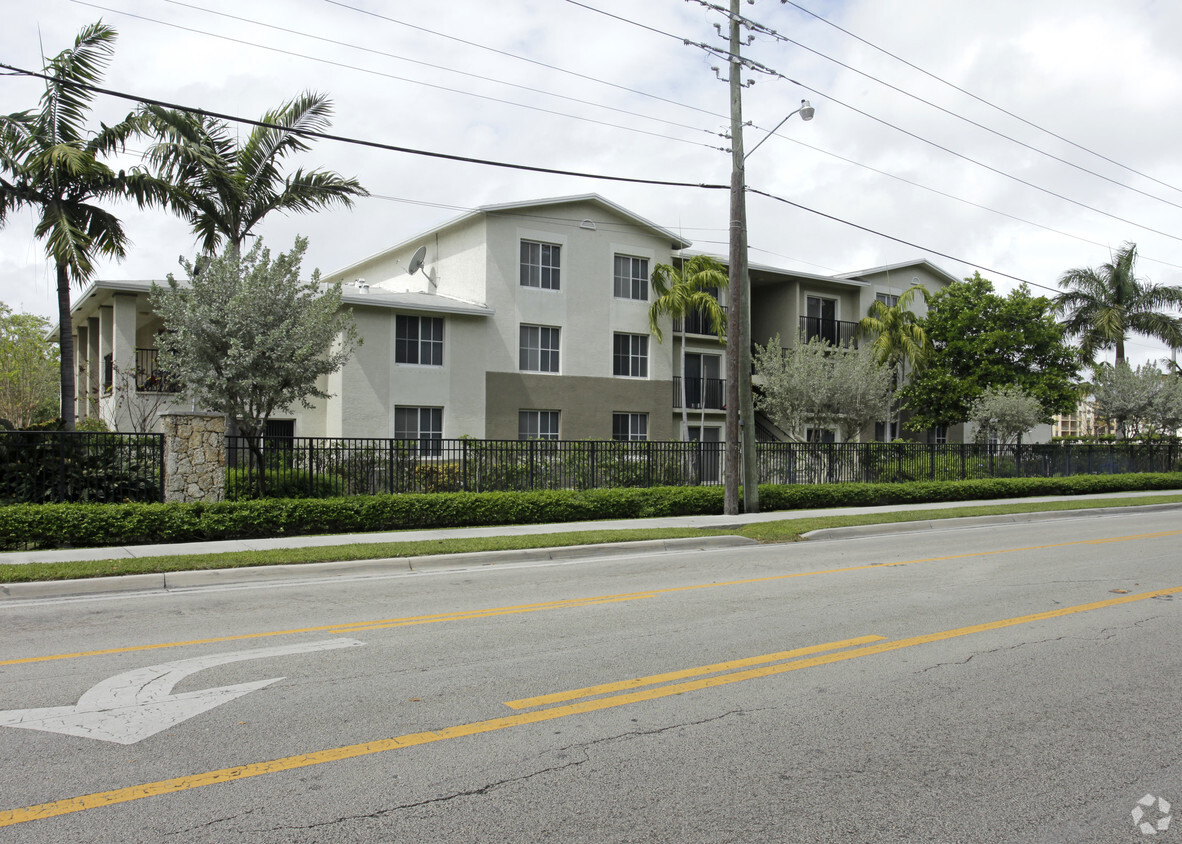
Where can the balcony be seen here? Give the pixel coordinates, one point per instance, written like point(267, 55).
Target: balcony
point(700, 393)
point(698, 323)
point(832, 331)
point(149, 377)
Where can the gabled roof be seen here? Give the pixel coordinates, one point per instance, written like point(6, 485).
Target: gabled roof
point(926, 264)
point(510, 207)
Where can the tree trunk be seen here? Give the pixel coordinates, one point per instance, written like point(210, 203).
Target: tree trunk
point(684, 409)
point(66, 341)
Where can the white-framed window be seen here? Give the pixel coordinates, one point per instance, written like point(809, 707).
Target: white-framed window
point(630, 278)
point(418, 340)
point(540, 264)
point(629, 426)
point(537, 424)
point(888, 299)
point(539, 348)
point(630, 355)
point(940, 434)
point(424, 424)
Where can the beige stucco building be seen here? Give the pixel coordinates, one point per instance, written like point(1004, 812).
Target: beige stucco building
point(514, 320)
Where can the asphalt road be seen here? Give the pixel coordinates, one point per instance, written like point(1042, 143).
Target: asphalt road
point(997, 684)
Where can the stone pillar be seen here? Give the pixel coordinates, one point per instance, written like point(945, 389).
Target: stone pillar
point(194, 456)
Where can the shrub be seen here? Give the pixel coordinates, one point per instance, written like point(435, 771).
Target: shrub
point(96, 525)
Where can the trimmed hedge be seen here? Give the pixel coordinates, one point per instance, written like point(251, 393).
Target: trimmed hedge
point(96, 525)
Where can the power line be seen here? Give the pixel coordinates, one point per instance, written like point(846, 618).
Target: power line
point(980, 99)
point(359, 142)
point(764, 69)
point(877, 233)
point(950, 113)
point(385, 54)
point(401, 78)
point(652, 29)
point(534, 62)
point(491, 163)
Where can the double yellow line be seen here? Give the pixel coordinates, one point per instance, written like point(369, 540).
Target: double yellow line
point(587, 699)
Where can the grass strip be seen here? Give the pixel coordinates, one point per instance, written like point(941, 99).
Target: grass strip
point(783, 530)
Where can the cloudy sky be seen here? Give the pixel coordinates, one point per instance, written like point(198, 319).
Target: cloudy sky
point(1061, 144)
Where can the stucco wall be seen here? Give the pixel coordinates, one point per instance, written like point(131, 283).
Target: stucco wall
point(585, 404)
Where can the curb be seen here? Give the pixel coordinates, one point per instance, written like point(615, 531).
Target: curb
point(443, 562)
point(969, 522)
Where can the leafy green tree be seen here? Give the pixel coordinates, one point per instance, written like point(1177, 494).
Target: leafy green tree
point(679, 292)
point(981, 339)
point(246, 337)
point(899, 337)
point(1103, 306)
point(1138, 401)
point(28, 369)
point(1005, 414)
point(225, 185)
point(51, 163)
point(816, 385)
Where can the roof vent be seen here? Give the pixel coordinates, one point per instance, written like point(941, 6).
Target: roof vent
point(587, 224)
point(362, 285)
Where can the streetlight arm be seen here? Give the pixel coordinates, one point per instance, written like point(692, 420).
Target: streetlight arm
point(806, 113)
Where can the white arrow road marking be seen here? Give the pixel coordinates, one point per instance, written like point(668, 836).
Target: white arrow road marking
point(131, 706)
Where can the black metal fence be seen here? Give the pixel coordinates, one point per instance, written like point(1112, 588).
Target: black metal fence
point(57, 466)
point(812, 463)
point(310, 466)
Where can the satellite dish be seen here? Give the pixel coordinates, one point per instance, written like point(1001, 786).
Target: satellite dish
point(416, 261)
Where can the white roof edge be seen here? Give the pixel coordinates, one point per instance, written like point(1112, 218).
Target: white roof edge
point(767, 268)
point(678, 242)
point(922, 262)
point(435, 304)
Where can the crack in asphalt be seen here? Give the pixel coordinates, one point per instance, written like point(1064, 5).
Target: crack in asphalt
point(492, 786)
point(1104, 634)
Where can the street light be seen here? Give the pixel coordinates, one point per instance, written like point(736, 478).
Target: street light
point(740, 404)
point(805, 111)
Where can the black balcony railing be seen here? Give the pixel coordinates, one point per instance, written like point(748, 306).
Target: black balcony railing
point(698, 322)
point(835, 332)
point(149, 377)
point(708, 393)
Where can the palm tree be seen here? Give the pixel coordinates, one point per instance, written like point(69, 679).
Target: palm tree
point(225, 185)
point(899, 338)
point(680, 292)
point(1104, 305)
point(49, 162)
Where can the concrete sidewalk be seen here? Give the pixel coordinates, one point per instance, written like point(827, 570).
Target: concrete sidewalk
point(713, 521)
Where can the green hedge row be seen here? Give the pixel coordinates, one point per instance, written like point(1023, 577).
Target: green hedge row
point(26, 526)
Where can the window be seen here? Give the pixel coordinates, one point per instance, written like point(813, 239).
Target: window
point(631, 278)
point(537, 425)
point(887, 299)
point(630, 355)
point(819, 435)
point(418, 340)
point(539, 348)
point(629, 426)
point(539, 265)
point(940, 434)
point(885, 432)
point(424, 424)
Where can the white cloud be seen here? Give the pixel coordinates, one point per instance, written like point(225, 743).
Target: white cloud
point(1105, 75)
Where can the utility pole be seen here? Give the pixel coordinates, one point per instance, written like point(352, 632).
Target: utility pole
point(740, 407)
